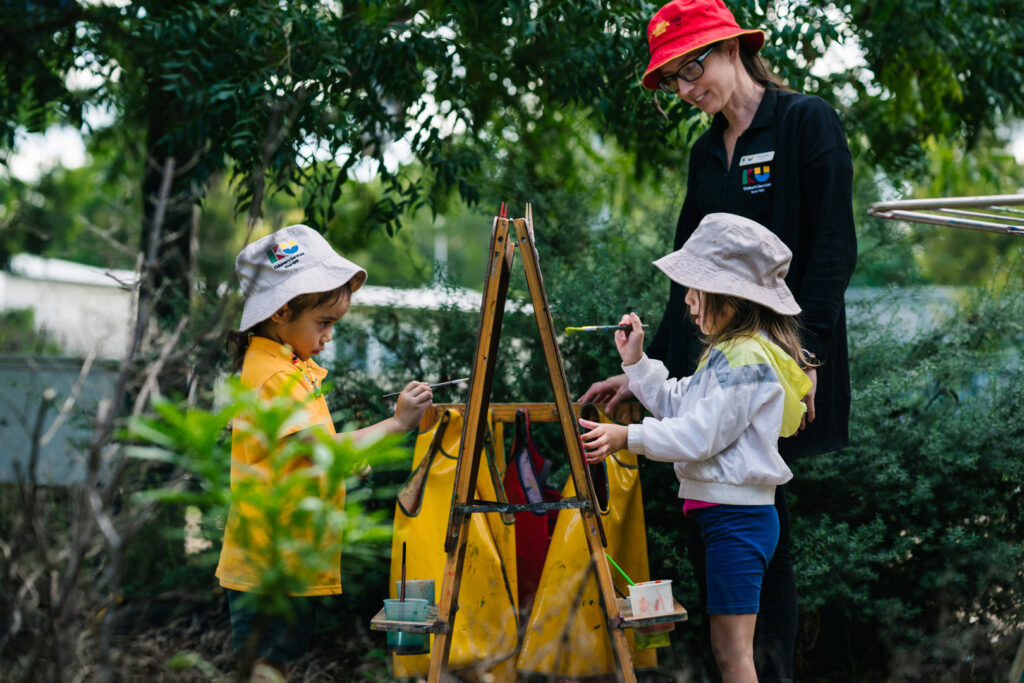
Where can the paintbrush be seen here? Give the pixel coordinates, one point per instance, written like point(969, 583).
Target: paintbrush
point(620, 569)
point(432, 386)
point(402, 597)
point(601, 328)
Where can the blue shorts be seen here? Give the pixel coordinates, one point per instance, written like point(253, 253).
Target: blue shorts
point(278, 637)
point(739, 540)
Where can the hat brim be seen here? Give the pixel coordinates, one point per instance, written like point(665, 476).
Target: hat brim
point(692, 271)
point(323, 277)
point(752, 38)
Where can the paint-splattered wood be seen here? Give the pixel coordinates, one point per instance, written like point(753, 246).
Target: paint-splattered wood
point(431, 625)
point(627, 413)
point(629, 621)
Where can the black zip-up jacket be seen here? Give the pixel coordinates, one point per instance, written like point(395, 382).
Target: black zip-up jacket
point(792, 172)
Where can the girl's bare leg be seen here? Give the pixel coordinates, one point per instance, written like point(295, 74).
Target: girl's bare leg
point(732, 643)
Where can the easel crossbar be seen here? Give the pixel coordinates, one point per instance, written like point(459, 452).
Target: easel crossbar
point(575, 502)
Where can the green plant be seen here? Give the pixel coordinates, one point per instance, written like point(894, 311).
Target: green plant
point(914, 570)
point(291, 522)
point(18, 334)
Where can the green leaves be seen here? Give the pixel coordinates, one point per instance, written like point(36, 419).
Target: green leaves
point(294, 522)
point(929, 522)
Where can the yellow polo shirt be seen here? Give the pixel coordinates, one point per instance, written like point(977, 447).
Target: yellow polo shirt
point(247, 554)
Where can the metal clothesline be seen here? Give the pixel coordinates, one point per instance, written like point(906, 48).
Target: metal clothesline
point(959, 212)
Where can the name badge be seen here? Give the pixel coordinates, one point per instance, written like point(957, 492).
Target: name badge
point(757, 158)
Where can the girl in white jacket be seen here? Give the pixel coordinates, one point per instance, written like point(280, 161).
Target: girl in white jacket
point(720, 427)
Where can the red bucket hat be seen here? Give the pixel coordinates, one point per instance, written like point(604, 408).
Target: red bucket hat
point(685, 25)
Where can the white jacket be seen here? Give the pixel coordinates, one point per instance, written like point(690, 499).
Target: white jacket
point(721, 426)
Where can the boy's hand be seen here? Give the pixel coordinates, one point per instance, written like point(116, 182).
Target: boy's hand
point(630, 342)
point(412, 402)
point(602, 439)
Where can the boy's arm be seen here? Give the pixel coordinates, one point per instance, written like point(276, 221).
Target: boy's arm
point(414, 400)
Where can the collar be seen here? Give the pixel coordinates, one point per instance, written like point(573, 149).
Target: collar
point(275, 349)
point(765, 113)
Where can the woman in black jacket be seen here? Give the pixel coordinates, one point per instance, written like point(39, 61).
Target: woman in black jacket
point(779, 158)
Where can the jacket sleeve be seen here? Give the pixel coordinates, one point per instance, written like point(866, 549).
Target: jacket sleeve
point(650, 383)
point(826, 183)
point(705, 429)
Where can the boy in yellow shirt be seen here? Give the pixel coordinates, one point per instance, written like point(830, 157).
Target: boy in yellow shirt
point(296, 288)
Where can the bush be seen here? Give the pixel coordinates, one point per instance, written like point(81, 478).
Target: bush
point(910, 541)
point(18, 334)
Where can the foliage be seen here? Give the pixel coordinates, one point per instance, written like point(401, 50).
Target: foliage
point(18, 334)
point(919, 564)
point(294, 97)
point(309, 480)
point(949, 69)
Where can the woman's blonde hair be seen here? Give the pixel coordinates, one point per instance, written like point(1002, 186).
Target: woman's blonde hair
point(758, 69)
point(748, 319)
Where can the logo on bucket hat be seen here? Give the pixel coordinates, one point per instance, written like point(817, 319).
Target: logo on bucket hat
point(283, 250)
point(682, 26)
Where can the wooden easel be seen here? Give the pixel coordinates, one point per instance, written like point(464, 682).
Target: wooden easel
point(499, 269)
point(474, 428)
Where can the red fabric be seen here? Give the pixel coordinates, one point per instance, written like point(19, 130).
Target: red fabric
point(526, 482)
point(685, 25)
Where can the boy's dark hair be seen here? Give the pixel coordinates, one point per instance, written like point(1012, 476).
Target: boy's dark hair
point(750, 318)
point(237, 342)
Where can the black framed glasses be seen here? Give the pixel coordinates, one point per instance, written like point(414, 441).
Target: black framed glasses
point(689, 72)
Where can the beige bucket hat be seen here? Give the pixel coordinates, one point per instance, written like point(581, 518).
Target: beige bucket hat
point(730, 254)
point(293, 261)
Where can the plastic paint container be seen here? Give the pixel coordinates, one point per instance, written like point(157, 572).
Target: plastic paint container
point(417, 588)
point(651, 598)
point(412, 609)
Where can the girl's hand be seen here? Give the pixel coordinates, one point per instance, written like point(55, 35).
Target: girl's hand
point(602, 439)
point(630, 342)
point(414, 400)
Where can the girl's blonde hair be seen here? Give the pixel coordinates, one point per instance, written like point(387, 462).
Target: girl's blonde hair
point(748, 319)
point(237, 342)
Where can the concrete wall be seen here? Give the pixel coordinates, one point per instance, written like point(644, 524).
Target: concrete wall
point(82, 308)
point(64, 445)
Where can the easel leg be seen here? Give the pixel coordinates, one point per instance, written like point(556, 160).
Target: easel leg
point(571, 437)
point(473, 428)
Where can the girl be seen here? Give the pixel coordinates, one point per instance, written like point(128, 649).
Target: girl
point(296, 288)
point(780, 158)
point(721, 426)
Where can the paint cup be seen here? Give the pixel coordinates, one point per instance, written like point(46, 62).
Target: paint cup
point(421, 589)
point(651, 598)
point(404, 642)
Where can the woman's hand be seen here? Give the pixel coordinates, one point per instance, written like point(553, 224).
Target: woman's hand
point(808, 398)
point(602, 439)
point(610, 391)
point(630, 342)
point(412, 402)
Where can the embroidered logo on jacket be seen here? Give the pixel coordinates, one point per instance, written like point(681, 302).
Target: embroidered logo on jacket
point(756, 179)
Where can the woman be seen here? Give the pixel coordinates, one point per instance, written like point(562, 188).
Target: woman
point(779, 158)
